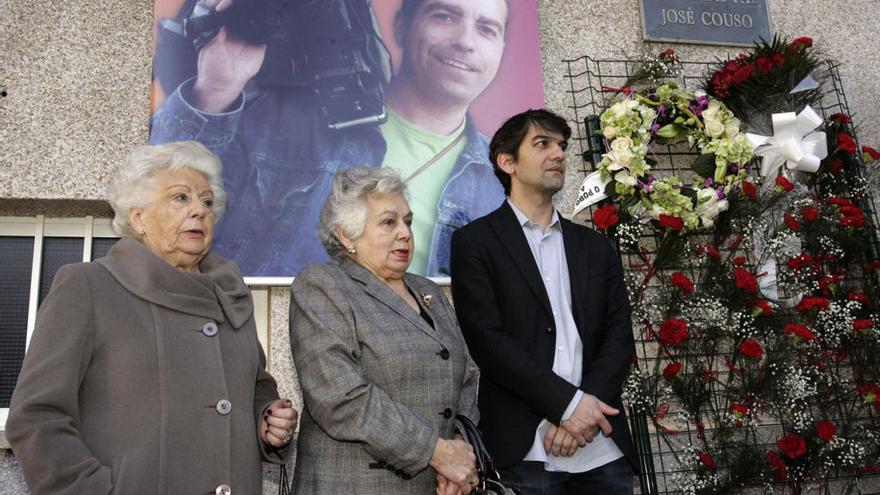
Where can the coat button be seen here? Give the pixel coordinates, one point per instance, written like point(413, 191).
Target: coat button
point(209, 329)
point(549, 329)
point(444, 354)
point(447, 413)
point(223, 490)
point(223, 407)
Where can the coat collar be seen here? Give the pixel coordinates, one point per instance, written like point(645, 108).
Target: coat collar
point(218, 292)
point(381, 292)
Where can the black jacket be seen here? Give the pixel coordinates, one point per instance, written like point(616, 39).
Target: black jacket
point(505, 315)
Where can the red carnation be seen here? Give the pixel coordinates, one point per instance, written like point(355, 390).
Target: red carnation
point(749, 189)
point(791, 222)
point(800, 43)
point(810, 213)
point(836, 165)
point(761, 308)
point(870, 395)
point(846, 143)
point(739, 411)
point(668, 56)
point(738, 261)
point(828, 283)
point(683, 283)
point(764, 63)
point(826, 430)
point(783, 184)
point(840, 117)
point(751, 349)
point(673, 331)
point(800, 262)
point(710, 251)
point(745, 280)
point(839, 201)
point(706, 459)
point(857, 297)
point(853, 216)
point(799, 332)
point(671, 222)
point(780, 470)
point(605, 217)
point(671, 370)
point(792, 445)
point(873, 266)
point(742, 73)
point(871, 152)
point(862, 325)
point(813, 302)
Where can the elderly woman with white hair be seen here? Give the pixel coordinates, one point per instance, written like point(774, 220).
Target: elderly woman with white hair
point(144, 373)
point(383, 367)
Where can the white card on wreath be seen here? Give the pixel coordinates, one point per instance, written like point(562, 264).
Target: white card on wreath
point(592, 191)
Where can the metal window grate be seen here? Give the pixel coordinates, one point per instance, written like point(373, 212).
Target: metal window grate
point(57, 251)
point(15, 275)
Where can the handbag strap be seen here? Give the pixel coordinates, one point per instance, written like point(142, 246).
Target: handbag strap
point(485, 465)
point(283, 481)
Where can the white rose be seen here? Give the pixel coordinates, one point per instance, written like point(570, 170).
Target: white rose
point(714, 128)
point(706, 195)
point(625, 178)
point(732, 127)
point(621, 108)
point(622, 143)
point(712, 109)
point(609, 132)
point(624, 157)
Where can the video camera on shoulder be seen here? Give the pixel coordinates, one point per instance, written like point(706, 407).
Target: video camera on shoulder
point(330, 46)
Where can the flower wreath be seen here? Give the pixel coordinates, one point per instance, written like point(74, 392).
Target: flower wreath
point(669, 114)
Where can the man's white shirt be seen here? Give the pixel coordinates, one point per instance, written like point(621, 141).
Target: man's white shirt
point(548, 250)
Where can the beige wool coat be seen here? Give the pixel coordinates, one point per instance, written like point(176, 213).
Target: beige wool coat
point(380, 385)
point(142, 379)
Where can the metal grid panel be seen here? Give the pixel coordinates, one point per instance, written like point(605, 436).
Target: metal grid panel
point(589, 80)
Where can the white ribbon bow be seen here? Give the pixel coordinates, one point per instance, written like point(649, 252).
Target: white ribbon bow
point(793, 143)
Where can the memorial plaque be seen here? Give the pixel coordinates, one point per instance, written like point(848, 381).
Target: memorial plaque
point(710, 22)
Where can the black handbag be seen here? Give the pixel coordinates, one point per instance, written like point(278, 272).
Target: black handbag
point(489, 479)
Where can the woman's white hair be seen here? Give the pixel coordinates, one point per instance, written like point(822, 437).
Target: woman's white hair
point(346, 205)
point(135, 180)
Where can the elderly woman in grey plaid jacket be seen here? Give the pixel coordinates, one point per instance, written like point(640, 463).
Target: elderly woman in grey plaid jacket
point(383, 366)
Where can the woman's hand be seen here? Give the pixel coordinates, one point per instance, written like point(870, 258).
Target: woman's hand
point(279, 421)
point(445, 487)
point(454, 460)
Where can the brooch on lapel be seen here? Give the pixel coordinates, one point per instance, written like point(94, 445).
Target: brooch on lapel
point(426, 300)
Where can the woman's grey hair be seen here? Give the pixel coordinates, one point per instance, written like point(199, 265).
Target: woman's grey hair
point(135, 180)
point(347, 204)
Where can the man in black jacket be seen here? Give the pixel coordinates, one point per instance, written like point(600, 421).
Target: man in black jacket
point(544, 310)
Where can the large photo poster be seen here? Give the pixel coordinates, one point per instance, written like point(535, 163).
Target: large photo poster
point(288, 92)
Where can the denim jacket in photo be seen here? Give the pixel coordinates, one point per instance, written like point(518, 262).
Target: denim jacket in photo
point(278, 165)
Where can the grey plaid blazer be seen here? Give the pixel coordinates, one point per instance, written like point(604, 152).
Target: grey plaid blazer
point(380, 385)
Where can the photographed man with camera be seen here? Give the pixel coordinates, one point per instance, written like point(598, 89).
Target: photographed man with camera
point(280, 154)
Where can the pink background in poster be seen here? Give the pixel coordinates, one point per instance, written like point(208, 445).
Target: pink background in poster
point(518, 86)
